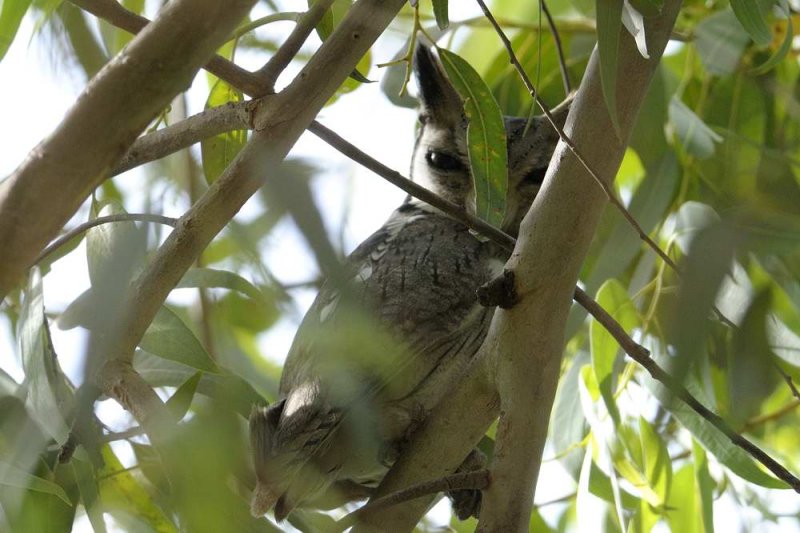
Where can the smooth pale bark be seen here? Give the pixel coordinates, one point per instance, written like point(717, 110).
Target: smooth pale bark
point(522, 351)
point(117, 104)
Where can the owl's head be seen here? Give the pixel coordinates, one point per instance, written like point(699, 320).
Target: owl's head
point(441, 162)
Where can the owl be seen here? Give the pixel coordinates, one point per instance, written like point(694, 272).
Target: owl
point(379, 349)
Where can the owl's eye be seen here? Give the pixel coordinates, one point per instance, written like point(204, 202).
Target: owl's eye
point(443, 161)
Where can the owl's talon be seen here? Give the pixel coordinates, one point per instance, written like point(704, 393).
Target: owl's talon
point(498, 292)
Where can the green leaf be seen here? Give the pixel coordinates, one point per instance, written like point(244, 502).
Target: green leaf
point(179, 403)
point(720, 42)
point(12, 476)
point(704, 485)
point(784, 48)
point(120, 489)
point(609, 24)
point(160, 372)
point(218, 151)
point(712, 439)
point(657, 462)
point(685, 513)
point(695, 136)
point(486, 138)
point(210, 278)
point(332, 17)
point(613, 297)
point(441, 14)
point(48, 395)
point(751, 17)
point(86, 477)
point(170, 338)
point(751, 377)
point(11, 15)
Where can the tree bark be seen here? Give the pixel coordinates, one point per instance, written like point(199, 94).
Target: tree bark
point(521, 355)
point(57, 176)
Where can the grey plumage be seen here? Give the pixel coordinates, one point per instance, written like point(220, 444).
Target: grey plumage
point(375, 354)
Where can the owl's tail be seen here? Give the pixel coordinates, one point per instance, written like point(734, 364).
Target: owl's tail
point(285, 438)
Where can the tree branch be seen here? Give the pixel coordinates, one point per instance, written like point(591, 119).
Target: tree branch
point(477, 480)
point(166, 141)
point(114, 108)
point(115, 14)
point(526, 342)
point(611, 196)
point(268, 74)
point(80, 228)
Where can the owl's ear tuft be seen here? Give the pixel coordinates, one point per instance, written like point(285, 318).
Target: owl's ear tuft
point(438, 98)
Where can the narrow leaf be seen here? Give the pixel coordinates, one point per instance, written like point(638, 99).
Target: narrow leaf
point(486, 138)
point(720, 42)
point(784, 48)
point(179, 403)
point(695, 136)
point(170, 338)
point(12, 476)
point(441, 14)
point(48, 395)
point(613, 297)
point(218, 151)
point(11, 15)
point(609, 24)
point(751, 17)
point(712, 440)
point(210, 278)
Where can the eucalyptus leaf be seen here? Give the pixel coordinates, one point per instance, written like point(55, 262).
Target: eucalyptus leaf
point(695, 136)
point(711, 439)
point(609, 24)
point(48, 393)
point(486, 138)
point(218, 151)
point(751, 16)
point(170, 338)
point(12, 476)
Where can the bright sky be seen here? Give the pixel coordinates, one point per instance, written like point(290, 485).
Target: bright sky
point(35, 93)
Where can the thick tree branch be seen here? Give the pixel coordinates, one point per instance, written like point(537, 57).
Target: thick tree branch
point(113, 109)
point(115, 14)
point(526, 342)
point(577, 151)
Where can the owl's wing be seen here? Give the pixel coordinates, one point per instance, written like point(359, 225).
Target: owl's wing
point(407, 313)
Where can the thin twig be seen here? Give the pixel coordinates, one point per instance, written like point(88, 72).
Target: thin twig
point(268, 74)
point(609, 192)
point(788, 379)
point(562, 63)
point(768, 417)
point(476, 480)
point(286, 16)
point(641, 355)
point(80, 228)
